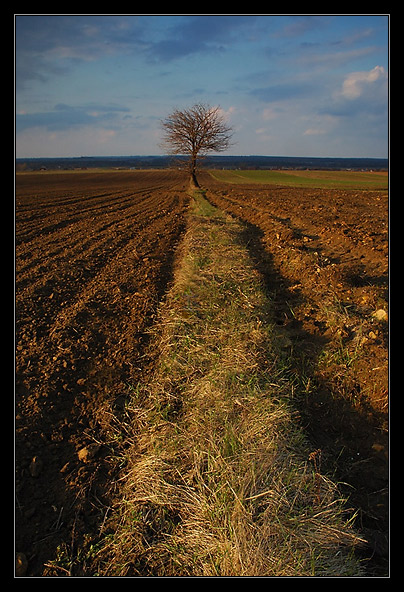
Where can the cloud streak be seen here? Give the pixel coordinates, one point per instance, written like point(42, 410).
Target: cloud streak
point(201, 34)
point(52, 45)
point(64, 117)
point(285, 91)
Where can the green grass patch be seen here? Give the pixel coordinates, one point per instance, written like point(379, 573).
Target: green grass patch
point(315, 179)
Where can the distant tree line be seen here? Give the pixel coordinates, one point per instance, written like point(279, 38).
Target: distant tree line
point(210, 162)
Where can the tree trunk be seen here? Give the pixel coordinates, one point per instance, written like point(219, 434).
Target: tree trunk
point(193, 182)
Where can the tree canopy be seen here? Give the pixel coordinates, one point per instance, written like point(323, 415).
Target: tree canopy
point(194, 132)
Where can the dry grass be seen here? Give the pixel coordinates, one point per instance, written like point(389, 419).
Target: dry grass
point(218, 479)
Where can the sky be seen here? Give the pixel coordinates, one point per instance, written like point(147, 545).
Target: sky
point(288, 85)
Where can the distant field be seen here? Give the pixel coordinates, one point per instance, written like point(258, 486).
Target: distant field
point(307, 178)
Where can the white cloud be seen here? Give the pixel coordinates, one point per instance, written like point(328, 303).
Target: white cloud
point(312, 131)
point(356, 83)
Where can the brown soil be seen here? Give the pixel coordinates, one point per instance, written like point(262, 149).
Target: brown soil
point(94, 255)
point(324, 256)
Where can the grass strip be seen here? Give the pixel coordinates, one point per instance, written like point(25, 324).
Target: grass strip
point(218, 479)
point(360, 180)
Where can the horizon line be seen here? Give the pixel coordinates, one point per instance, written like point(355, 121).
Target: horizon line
point(208, 156)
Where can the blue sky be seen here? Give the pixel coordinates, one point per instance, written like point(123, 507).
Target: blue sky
point(289, 85)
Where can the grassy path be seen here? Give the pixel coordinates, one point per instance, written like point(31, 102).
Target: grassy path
point(219, 479)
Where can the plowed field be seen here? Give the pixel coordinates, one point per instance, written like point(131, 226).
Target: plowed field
point(93, 257)
point(324, 254)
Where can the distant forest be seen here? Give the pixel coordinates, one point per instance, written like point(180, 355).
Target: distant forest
point(210, 162)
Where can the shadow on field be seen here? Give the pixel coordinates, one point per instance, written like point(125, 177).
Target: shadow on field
point(345, 434)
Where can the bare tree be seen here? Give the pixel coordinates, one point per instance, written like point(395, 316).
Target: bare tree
point(194, 132)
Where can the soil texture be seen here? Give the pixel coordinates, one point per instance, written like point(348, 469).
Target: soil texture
point(94, 254)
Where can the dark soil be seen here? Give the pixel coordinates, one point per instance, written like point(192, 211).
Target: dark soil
point(94, 255)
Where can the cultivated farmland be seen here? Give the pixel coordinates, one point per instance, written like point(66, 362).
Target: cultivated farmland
point(95, 256)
